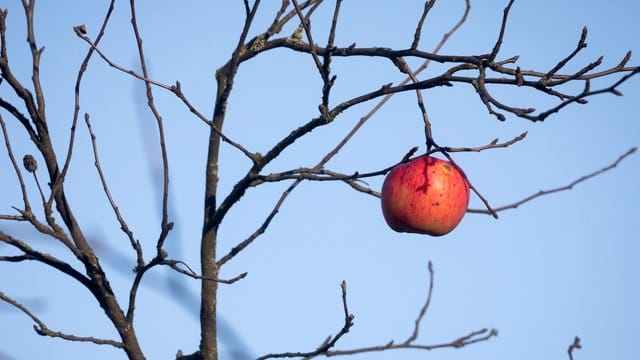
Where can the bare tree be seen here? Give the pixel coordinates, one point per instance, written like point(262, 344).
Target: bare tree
point(23, 102)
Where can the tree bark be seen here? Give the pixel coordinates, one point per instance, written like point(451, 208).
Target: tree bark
point(210, 270)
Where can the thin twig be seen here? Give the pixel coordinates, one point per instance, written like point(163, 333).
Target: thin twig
point(165, 226)
point(47, 259)
point(273, 29)
point(280, 20)
point(558, 189)
point(582, 43)
point(473, 188)
point(188, 271)
point(305, 22)
point(105, 187)
point(326, 64)
point(16, 167)
point(423, 311)
point(469, 339)
point(503, 26)
point(57, 185)
point(23, 93)
point(328, 343)
point(494, 144)
point(175, 89)
point(36, 54)
point(42, 329)
point(262, 228)
point(324, 349)
point(416, 36)
point(26, 214)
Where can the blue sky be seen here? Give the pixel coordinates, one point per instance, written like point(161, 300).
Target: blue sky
point(560, 266)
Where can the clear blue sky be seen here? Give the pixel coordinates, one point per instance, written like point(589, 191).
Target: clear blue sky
point(561, 266)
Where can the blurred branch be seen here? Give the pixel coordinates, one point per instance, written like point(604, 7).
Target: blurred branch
point(558, 189)
point(42, 329)
point(575, 345)
point(165, 225)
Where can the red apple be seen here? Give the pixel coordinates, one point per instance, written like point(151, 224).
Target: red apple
point(426, 195)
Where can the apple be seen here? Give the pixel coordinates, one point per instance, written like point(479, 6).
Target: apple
point(426, 195)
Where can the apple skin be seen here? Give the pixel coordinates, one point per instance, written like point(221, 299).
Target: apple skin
point(426, 195)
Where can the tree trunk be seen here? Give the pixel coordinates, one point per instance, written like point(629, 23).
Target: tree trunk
point(209, 288)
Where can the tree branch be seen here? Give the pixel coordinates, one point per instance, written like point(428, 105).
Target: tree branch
point(418, 32)
point(165, 225)
point(31, 254)
point(575, 345)
point(325, 349)
point(176, 89)
point(423, 311)
point(123, 223)
point(262, 228)
point(57, 185)
point(16, 168)
point(558, 189)
point(42, 329)
point(330, 342)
